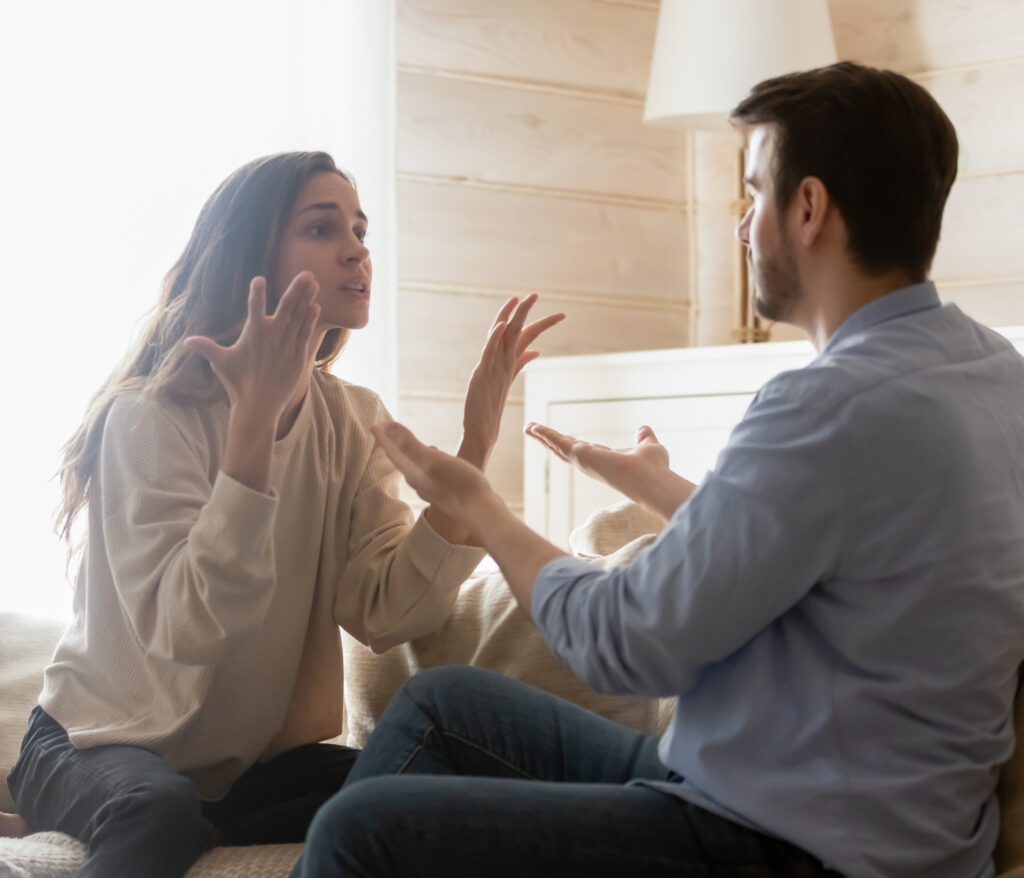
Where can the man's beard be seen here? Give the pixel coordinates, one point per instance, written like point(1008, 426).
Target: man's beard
point(777, 288)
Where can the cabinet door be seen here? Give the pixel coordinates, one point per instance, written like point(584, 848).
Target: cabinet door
point(693, 429)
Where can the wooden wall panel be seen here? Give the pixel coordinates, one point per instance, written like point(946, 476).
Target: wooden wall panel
point(920, 35)
point(982, 230)
point(445, 332)
point(577, 43)
point(472, 130)
point(468, 235)
point(983, 105)
point(994, 304)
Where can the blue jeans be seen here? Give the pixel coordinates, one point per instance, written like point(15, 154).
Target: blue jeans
point(471, 773)
point(141, 818)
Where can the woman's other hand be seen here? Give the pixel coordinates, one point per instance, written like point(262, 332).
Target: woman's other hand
point(506, 352)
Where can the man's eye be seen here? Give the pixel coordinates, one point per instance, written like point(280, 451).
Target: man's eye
point(360, 234)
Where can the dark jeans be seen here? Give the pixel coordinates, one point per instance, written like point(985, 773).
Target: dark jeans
point(471, 773)
point(141, 818)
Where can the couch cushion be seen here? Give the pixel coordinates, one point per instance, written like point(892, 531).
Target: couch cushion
point(26, 646)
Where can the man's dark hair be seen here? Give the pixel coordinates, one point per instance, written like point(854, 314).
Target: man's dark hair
point(880, 144)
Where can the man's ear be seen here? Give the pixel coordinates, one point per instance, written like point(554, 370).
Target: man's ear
point(809, 210)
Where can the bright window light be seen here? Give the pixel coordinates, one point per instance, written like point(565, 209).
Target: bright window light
point(120, 118)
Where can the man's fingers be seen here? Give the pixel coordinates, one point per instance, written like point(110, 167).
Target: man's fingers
point(552, 448)
point(559, 443)
point(645, 434)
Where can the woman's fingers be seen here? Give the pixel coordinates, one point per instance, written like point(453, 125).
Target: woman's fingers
point(292, 298)
point(531, 332)
point(215, 354)
point(506, 309)
point(519, 317)
point(205, 346)
point(257, 299)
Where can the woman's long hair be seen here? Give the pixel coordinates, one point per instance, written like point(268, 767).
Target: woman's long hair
point(206, 292)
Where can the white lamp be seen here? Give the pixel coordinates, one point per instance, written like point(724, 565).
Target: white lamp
point(709, 53)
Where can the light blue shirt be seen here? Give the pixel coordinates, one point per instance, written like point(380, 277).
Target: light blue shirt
point(840, 604)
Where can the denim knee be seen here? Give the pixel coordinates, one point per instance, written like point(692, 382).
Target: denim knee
point(168, 805)
point(355, 824)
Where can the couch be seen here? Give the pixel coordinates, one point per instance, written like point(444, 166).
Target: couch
point(486, 628)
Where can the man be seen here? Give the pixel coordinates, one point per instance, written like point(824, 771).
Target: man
point(838, 606)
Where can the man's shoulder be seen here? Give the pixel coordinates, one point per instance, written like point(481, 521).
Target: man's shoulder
point(931, 346)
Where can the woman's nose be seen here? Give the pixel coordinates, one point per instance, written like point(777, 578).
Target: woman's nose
point(357, 252)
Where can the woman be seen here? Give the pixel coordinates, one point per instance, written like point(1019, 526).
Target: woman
point(239, 511)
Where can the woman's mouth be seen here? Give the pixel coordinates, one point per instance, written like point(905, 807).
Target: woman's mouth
point(358, 289)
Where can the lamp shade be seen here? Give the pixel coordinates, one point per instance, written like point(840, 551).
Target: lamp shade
point(709, 53)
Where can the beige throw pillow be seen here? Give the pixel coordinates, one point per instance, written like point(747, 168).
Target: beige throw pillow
point(489, 630)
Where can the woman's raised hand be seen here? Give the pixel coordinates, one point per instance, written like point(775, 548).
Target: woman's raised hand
point(506, 352)
point(264, 368)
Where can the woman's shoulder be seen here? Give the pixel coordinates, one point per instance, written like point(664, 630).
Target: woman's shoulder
point(156, 420)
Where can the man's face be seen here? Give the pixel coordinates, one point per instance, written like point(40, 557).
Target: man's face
point(777, 289)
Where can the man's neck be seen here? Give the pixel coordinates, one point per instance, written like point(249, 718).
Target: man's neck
point(840, 296)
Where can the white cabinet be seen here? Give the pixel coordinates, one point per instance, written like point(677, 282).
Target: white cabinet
point(690, 397)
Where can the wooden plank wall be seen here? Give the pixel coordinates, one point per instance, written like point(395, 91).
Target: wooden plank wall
point(523, 165)
point(970, 56)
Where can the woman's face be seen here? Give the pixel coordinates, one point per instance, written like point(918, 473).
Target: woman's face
point(325, 235)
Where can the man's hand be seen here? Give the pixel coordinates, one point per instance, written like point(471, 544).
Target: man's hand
point(641, 473)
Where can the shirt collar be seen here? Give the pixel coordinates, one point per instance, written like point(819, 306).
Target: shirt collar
point(918, 297)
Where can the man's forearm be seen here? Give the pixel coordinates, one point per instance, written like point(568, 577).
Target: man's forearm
point(519, 551)
point(663, 495)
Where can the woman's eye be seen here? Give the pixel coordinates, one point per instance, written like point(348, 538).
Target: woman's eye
point(319, 230)
point(360, 234)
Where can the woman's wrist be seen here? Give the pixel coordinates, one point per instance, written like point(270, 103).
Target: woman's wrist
point(474, 450)
point(249, 447)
